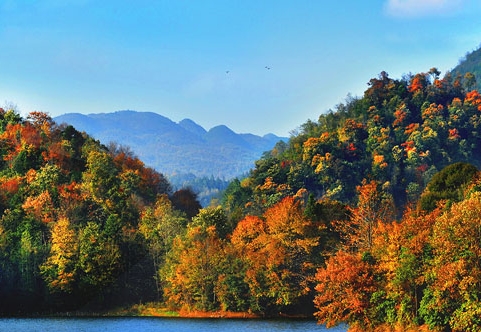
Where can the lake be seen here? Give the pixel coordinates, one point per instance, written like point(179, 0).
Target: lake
point(125, 324)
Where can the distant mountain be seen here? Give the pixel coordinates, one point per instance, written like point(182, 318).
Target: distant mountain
point(470, 63)
point(176, 148)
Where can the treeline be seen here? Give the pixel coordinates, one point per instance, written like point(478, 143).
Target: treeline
point(362, 217)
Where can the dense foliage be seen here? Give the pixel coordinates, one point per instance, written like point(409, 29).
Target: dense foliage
point(368, 216)
point(70, 216)
point(399, 134)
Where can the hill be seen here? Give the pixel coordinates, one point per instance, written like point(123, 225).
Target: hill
point(399, 134)
point(68, 209)
point(176, 148)
point(403, 160)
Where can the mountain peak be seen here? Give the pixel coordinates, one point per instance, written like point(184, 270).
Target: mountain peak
point(192, 127)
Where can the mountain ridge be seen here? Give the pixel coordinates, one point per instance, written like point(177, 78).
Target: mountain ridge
point(176, 148)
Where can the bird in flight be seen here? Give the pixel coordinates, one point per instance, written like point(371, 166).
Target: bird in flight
point(267, 67)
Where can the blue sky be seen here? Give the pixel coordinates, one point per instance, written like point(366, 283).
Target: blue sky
point(206, 60)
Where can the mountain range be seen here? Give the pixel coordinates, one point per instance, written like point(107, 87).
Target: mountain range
point(176, 148)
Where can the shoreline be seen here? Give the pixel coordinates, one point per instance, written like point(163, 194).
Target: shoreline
point(166, 313)
point(148, 311)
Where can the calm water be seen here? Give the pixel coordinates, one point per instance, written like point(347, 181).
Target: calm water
point(157, 324)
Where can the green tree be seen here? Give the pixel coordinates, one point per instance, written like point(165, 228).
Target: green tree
point(99, 259)
point(448, 185)
point(9, 116)
point(100, 178)
point(213, 216)
point(160, 225)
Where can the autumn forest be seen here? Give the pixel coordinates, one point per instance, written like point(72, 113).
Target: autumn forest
point(369, 216)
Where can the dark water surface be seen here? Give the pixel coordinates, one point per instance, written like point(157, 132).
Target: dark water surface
point(157, 324)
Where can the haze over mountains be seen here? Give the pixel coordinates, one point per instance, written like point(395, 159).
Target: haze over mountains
point(176, 148)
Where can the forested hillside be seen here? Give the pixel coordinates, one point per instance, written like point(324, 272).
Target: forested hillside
point(399, 134)
point(71, 211)
point(388, 185)
point(369, 215)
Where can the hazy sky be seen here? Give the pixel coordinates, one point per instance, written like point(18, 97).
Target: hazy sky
point(206, 59)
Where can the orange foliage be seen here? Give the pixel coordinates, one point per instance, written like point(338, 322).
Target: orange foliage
point(351, 124)
point(42, 121)
point(432, 112)
point(41, 207)
point(277, 250)
point(247, 233)
point(453, 134)
point(439, 84)
point(458, 245)
point(411, 128)
point(409, 147)
point(311, 142)
point(20, 136)
point(391, 240)
point(58, 154)
point(416, 84)
point(473, 98)
point(10, 185)
point(378, 160)
point(374, 206)
point(70, 192)
point(343, 290)
point(127, 161)
point(399, 116)
point(270, 185)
